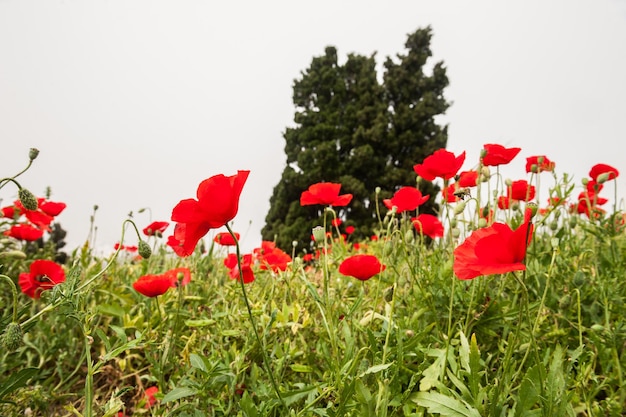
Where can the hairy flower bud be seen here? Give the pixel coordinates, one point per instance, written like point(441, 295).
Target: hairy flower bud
point(144, 249)
point(482, 222)
point(456, 232)
point(602, 178)
point(33, 153)
point(458, 209)
point(15, 254)
point(12, 336)
point(319, 234)
point(27, 199)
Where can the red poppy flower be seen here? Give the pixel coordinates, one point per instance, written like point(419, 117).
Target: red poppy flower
point(449, 193)
point(153, 285)
point(521, 190)
point(11, 212)
point(336, 222)
point(155, 228)
point(498, 155)
point(150, 399)
point(493, 250)
point(226, 239)
point(179, 276)
point(246, 269)
point(36, 217)
point(307, 257)
point(599, 169)
point(504, 202)
point(428, 225)
point(271, 257)
point(24, 232)
point(128, 248)
point(349, 230)
point(441, 163)
point(588, 203)
point(361, 267)
point(468, 179)
point(324, 193)
point(43, 275)
point(217, 204)
point(539, 164)
point(406, 199)
point(51, 208)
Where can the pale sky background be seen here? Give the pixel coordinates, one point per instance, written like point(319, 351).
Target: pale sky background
point(132, 103)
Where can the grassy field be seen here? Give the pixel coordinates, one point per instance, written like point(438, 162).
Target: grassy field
point(546, 338)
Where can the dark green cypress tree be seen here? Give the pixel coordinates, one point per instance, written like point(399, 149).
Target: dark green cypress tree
point(353, 130)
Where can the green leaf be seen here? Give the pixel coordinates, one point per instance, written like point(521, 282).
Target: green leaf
point(178, 393)
point(197, 362)
point(16, 380)
point(300, 368)
point(199, 322)
point(247, 405)
point(376, 368)
point(444, 405)
point(111, 310)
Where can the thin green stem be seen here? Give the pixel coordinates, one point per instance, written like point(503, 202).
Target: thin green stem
point(14, 292)
point(266, 360)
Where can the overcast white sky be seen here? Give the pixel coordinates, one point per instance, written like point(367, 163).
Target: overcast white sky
point(133, 103)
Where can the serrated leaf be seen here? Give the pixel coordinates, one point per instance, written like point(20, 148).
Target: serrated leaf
point(444, 405)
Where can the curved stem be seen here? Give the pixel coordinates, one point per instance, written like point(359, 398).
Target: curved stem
point(14, 292)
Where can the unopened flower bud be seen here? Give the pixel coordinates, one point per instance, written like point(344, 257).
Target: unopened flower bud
point(143, 249)
point(585, 181)
point(456, 232)
point(33, 153)
point(27, 199)
point(378, 190)
point(458, 209)
point(602, 178)
point(482, 222)
point(485, 174)
point(12, 336)
point(508, 182)
point(453, 222)
point(294, 243)
point(14, 254)
point(409, 237)
point(318, 234)
point(573, 221)
point(534, 168)
point(483, 153)
point(554, 226)
point(533, 207)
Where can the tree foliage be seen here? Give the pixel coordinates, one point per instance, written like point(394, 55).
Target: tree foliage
point(352, 129)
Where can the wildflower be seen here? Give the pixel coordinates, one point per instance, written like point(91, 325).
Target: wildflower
point(246, 267)
point(217, 204)
point(600, 169)
point(441, 163)
point(406, 199)
point(25, 232)
point(155, 229)
point(51, 208)
point(539, 164)
point(493, 250)
point(494, 155)
point(428, 225)
point(271, 257)
point(226, 239)
point(349, 230)
point(449, 193)
point(521, 190)
point(468, 179)
point(179, 276)
point(43, 275)
point(150, 399)
point(153, 285)
point(324, 193)
point(504, 202)
point(361, 267)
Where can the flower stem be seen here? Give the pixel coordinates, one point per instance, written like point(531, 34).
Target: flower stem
point(14, 292)
point(266, 361)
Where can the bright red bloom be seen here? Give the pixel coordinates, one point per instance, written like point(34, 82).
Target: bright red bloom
point(153, 285)
point(599, 169)
point(217, 204)
point(504, 202)
point(498, 155)
point(128, 248)
point(150, 392)
point(226, 239)
point(10, 211)
point(361, 267)
point(533, 164)
point(43, 275)
point(271, 257)
point(51, 208)
point(521, 190)
point(449, 195)
point(155, 229)
point(441, 163)
point(588, 203)
point(406, 199)
point(468, 179)
point(493, 250)
point(307, 257)
point(349, 230)
point(179, 276)
point(36, 217)
point(24, 232)
point(246, 269)
point(324, 193)
point(336, 222)
point(428, 225)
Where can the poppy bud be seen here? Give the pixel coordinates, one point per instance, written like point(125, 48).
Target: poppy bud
point(573, 221)
point(409, 237)
point(533, 209)
point(458, 209)
point(482, 222)
point(15, 254)
point(508, 182)
point(554, 226)
point(12, 336)
point(483, 153)
point(579, 279)
point(33, 153)
point(585, 181)
point(453, 222)
point(143, 249)
point(534, 168)
point(602, 178)
point(294, 243)
point(318, 234)
point(485, 174)
point(27, 199)
point(456, 232)
point(378, 190)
